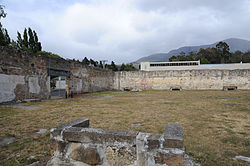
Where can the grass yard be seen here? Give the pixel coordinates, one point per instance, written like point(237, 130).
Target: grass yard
point(216, 124)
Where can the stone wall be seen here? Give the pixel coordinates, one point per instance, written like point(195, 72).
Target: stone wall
point(22, 76)
point(27, 76)
point(76, 144)
point(90, 79)
point(185, 79)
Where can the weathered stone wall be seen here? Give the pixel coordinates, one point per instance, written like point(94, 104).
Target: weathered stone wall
point(76, 144)
point(27, 76)
point(186, 79)
point(90, 79)
point(22, 76)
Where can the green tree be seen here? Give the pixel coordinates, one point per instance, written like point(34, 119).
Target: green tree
point(172, 59)
point(204, 61)
point(38, 45)
point(246, 57)
point(25, 43)
point(100, 64)
point(32, 44)
point(92, 62)
point(122, 67)
point(29, 42)
point(85, 61)
point(236, 57)
point(19, 40)
point(112, 66)
point(127, 67)
point(4, 36)
point(224, 51)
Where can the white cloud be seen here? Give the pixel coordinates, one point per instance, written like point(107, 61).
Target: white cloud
point(126, 30)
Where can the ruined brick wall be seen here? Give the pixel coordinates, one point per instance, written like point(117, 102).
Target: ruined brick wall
point(22, 76)
point(26, 76)
point(77, 144)
point(186, 79)
point(90, 79)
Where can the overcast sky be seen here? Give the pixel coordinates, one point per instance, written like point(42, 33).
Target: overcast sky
point(126, 30)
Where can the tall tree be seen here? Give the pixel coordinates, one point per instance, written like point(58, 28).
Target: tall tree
point(25, 43)
point(19, 40)
point(224, 51)
point(4, 36)
point(29, 42)
point(92, 62)
point(38, 46)
point(112, 66)
point(100, 64)
point(122, 68)
point(85, 61)
point(32, 44)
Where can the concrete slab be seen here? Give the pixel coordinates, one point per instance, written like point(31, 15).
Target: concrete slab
point(243, 158)
point(41, 131)
point(31, 100)
point(28, 107)
point(107, 96)
point(116, 102)
point(229, 98)
point(169, 103)
point(230, 104)
point(100, 99)
point(7, 141)
point(136, 125)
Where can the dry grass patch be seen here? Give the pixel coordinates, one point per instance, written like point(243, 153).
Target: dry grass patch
point(214, 133)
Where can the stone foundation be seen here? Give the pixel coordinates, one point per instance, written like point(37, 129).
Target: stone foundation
point(77, 144)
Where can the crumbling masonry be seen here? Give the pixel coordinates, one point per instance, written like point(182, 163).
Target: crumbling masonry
point(77, 144)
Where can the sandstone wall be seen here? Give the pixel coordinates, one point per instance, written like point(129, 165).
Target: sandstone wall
point(77, 144)
point(90, 79)
point(22, 76)
point(186, 79)
point(27, 76)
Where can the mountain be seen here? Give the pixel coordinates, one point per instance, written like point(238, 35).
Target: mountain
point(234, 45)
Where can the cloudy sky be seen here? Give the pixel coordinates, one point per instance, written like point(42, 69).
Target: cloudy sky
point(126, 30)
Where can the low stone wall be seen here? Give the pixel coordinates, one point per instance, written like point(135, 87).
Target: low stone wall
point(185, 79)
point(76, 144)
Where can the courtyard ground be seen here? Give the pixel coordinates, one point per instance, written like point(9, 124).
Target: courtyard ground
point(216, 124)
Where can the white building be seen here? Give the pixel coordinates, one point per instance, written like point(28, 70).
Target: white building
point(180, 65)
point(189, 65)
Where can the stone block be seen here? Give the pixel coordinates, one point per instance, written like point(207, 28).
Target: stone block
point(141, 158)
point(99, 136)
point(58, 146)
point(121, 155)
point(169, 159)
point(173, 143)
point(86, 155)
point(173, 131)
point(153, 141)
point(76, 123)
point(173, 136)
